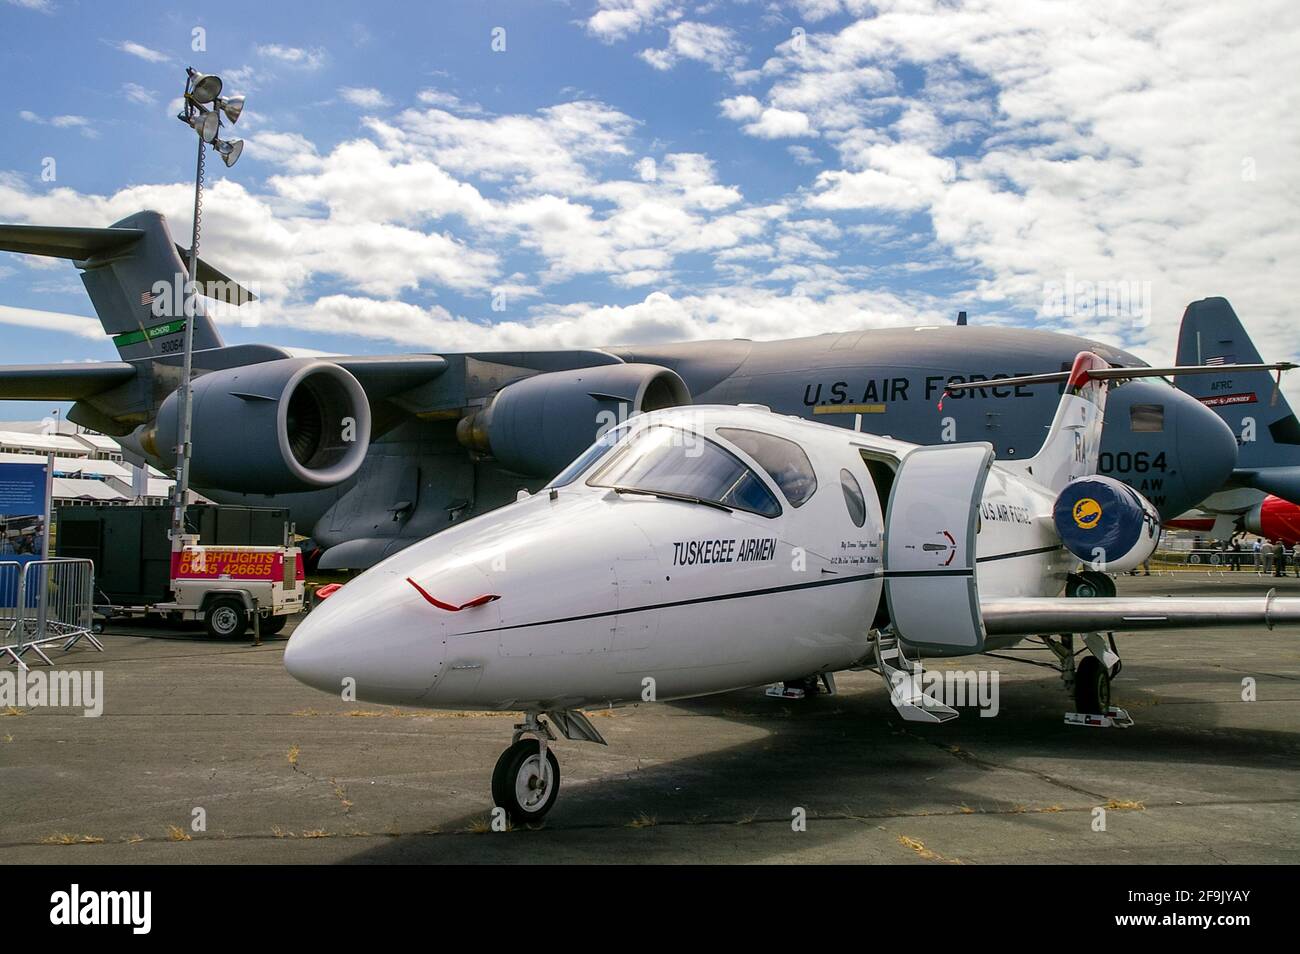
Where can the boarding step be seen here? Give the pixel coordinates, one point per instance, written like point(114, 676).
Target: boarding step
point(1113, 718)
point(903, 680)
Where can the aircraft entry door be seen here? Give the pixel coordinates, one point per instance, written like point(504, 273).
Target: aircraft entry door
point(931, 524)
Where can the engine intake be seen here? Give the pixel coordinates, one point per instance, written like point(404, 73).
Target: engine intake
point(538, 425)
point(1106, 524)
point(281, 426)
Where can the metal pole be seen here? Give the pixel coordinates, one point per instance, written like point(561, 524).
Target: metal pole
point(186, 416)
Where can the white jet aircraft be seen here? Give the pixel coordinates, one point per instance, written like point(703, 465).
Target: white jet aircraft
point(700, 550)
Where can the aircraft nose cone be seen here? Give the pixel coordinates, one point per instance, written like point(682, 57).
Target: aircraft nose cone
point(373, 636)
point(1207, 451)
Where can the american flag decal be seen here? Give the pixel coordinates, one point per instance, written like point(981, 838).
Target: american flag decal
point(146, 298)
point(1221, 359)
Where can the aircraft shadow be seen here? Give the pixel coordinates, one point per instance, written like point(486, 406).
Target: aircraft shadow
point(850, 757)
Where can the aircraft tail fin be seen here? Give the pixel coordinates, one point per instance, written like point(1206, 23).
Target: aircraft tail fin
point(1250, 402)
point(1073, 439)
point(134, 274)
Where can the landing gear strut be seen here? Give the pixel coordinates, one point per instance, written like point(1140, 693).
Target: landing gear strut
point(1089, 678)
point(526, 780)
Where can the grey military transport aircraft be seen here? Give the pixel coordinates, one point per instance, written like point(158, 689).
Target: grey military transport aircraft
point(373, 453)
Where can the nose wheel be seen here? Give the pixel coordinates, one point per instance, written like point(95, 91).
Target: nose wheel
point(526, 780)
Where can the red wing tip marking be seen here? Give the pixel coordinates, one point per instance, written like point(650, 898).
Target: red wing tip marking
point(450, 607)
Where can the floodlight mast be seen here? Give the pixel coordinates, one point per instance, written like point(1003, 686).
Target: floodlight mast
point(200, 89)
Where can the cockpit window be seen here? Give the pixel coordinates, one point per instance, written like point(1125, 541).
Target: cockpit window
point(785, 461)
point(595, 452)
point(679, 463)
point(1148, 418)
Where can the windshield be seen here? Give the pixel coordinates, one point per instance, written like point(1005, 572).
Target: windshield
point(785, 461)
point(595, 452)
point(666, 460)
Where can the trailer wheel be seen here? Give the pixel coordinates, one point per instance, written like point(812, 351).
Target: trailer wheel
point(226, 618)
point(270, 625)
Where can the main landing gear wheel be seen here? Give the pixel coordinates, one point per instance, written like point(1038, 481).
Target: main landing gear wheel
point(226, 618)
point(1091, 686)
point(1089, 584)
point(518, 784)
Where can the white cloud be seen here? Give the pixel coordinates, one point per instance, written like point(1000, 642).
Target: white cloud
point(367, 97)
point(143, 52)
point(616, 19)
point(1109, 142)
point(40, 6)
point(780, 124)
point(445, 100)
point(293, 56)
point(803, 155)
point(716, 46)
point(741, 108)
point(80, 123)
point(52, 321)
point(138, 94)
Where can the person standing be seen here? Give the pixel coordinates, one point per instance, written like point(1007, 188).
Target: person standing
point(1235, 557)
point(1279, 558)
point(1295, 557)
point(1256, 547)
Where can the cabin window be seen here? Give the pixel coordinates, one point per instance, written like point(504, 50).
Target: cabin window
point(1147, 418)
point(675, 462)
point(853, 498)
point(595, 452)
point(785, 461)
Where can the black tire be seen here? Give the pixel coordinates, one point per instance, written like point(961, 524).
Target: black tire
point(1091, 686)
point(1089, 584)
point(507, 781)
point(270, 625)
point(226, 618)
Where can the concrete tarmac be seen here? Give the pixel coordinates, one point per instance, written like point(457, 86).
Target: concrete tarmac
point(281, 773)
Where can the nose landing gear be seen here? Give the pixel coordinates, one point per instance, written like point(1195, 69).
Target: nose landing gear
point(526, 780)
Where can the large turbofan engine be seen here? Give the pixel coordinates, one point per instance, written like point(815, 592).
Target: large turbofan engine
point(1106, 524)
point(281, 426)
point(538, 425)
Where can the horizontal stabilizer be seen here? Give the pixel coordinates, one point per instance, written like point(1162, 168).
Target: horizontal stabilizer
point(63, 242)
point(215, 284)
point(62, 382)
point(81, 244)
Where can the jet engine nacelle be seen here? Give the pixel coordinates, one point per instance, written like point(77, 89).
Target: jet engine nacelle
point(1106, 524)
point(538, 425)
point(1274, 519)
point(280, 426)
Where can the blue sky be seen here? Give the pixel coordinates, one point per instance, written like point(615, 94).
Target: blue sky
point(630, 170)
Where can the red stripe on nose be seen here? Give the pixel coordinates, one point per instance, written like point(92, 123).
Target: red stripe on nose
point(449, 607)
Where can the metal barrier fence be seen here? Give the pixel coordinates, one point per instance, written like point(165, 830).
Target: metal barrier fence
point(1214, 561)
point(44, 602)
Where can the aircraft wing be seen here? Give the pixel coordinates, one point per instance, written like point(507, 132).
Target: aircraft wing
point(1030, 616)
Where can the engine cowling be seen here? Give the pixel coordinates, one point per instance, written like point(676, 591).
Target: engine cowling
point(1274, 519)
point(287, 425)
point(538, 425)
point(1106, 524)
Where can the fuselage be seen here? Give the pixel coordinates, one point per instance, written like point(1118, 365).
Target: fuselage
point(1166, 445)
point(604, 593)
